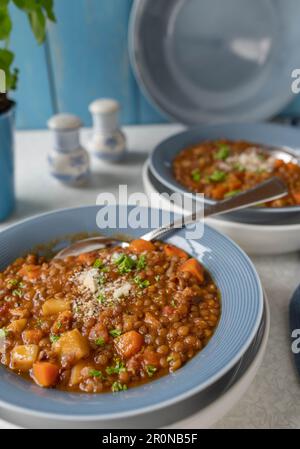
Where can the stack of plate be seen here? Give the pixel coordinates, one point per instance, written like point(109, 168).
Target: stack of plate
point(200, 63)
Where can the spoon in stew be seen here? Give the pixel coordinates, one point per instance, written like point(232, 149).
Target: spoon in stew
point(269, 190)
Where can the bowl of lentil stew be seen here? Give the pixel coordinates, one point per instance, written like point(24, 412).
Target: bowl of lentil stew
point(220, 161)
point(172, 320)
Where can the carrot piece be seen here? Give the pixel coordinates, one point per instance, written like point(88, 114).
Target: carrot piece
point(45, 373)
point(218, 192)
point(140, 245)
point(278, 163)
point(194, 267)
point(88, 258)
point(296, 196)
point(32, 272)
point(171, 250)
point(128, 344)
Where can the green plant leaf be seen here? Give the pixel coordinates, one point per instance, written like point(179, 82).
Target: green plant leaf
point(48, 7)
point(5, 23)
point(38, 24)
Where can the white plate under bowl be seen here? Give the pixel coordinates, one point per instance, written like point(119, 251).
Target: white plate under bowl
point(254, 239)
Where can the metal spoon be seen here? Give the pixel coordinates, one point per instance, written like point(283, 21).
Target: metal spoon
point(268, 190)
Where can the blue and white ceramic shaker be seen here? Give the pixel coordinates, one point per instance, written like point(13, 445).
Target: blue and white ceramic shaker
point(107, 141)
point(68, 160)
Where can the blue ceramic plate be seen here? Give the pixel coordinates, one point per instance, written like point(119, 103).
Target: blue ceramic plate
point(265, 133)
point(242, 307)
point(200, 62)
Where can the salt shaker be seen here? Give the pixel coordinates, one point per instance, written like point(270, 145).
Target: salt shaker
point(107, 140)
point(68, 160)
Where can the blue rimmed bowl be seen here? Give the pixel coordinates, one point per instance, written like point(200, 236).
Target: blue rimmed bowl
point(269, 134)
point(242, 308)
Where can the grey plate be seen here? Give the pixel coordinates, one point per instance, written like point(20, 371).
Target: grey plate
point(199, 61)
point(166, 416)
point(268, 134)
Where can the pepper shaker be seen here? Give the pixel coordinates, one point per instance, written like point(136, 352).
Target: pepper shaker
point(107, 141)
point(68, 160)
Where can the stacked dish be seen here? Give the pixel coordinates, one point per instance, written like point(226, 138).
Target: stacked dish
point(241, 155)
point(204, 386)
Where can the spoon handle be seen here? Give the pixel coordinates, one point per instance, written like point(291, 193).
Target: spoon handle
point(268, 190)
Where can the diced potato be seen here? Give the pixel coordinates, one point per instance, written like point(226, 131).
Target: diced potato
point(17, 326)
point(76, 375)
point(22, 357)
point(72, 344)
point(55, 306)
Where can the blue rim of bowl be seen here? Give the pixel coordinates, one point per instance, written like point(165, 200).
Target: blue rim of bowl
point(176, 187)
point(158, 405)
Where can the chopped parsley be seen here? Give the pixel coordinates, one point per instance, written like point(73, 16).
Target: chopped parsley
point(232, 193)
point(223, 152)
point(141, 283)
point(54, 338)
point(170, 359)
point(141, 263)
point(100, 341)
point(115, 333)
point(17, 292)
point(59, 324)
point(150, 370)
point(98, 263)
point(96, 373)
point(239, 167)
point(117, 369)
point(3, 332)
point(13, 282)
point(101, 279)
point(117, 386)
point(217, 176)
point(196, 175)
point(101, 298)
point(125, 264)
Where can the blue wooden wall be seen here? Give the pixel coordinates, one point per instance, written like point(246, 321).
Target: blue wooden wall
point(85, 57)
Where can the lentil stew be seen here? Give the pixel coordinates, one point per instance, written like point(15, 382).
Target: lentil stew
point(223, 168)
point(107, 320)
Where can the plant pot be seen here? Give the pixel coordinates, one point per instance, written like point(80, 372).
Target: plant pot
point(7, 189)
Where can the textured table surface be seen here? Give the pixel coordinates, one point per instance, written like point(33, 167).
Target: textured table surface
point(273, 400)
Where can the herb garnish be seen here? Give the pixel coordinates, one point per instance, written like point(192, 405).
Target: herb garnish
point(141, 283)
point(96, 373)
point(115, 332)
point(141, 263)
point(3, 332)
point(117, 386)
point(223, 152)
point(98, 263)
point(101, 298)
point(196, 175)
point(150, 370)
point(17, 292)
point(54, 338)
point(100, 341)
point(125, 264)
point(217, 176)
point(232, 193)
point(117, 369)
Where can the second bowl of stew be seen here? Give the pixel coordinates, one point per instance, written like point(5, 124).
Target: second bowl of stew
point(224, 160)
